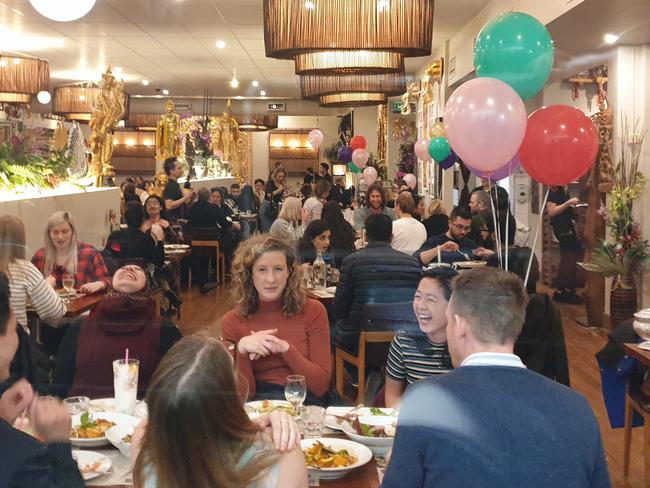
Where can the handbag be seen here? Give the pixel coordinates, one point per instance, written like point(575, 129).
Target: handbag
point(272, 209)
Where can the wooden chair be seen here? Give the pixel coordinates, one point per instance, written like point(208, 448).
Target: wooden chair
point(208, 237)
point(636, 401)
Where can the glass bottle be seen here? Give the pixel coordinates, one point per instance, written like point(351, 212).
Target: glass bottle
point(320, 272)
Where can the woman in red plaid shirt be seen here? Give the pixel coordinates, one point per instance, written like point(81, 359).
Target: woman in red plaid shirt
point(64, 254)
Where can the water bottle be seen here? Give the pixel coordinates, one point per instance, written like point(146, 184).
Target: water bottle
point(320, 272)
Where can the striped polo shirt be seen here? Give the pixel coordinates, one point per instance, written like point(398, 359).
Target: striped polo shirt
point(411, 359)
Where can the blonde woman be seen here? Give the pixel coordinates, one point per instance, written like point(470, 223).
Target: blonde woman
point(275, 192)
point(278, 331)
point(25, 280)
point(64, 254)
point(438, 221)
point(288, 225)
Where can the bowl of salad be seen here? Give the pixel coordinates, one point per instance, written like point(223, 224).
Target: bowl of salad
point(375, 429)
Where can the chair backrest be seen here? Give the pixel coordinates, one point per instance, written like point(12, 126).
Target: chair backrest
point(396, 317)
point(113, 263)
point(376, 345)
point(205, 233)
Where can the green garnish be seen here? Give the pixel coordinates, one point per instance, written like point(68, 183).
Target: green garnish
point(376, 411)
point(86, 421)
point(366, 430)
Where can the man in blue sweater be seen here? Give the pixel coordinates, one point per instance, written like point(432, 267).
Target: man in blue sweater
point(491, 422)
point(453, 245)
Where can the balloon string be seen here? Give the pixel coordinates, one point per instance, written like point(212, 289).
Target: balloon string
point(508, 216)
point(496, 227)
point(539, 226)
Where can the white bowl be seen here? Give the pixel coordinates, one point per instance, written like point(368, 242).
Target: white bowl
point(334, 416)
point(117, 418)
point(378, 445)
point(115, 435)
point(361, 452)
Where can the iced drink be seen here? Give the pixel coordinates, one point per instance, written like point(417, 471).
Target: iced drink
point(125, 382)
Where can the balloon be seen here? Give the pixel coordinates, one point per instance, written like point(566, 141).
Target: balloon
point(344, 154)
point(499, 173)
point(422, 149)
point(439, 148)
point(358, 142)
point(353, 168)
point(450, 161)
point(516, 48)
point(437, 130)
point(218, 154)
point(410, 180)
point(369, 175)
point(485, 122)
point(315, 138)
point(561, 144)
point(360, 157)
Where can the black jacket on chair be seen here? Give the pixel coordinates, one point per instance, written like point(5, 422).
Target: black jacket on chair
point(376, 274)
point(27, 463)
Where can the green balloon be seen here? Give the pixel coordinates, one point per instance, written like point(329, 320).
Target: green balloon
point(353, 167)
point(439, 148)
point(517, 49)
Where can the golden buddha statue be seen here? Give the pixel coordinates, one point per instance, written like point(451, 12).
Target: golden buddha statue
point(167, 133)
point(224, 133)
point(109, 109)
point(160, 184)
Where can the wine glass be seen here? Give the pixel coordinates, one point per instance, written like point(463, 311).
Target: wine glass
point(68, 282)
point(295, 391)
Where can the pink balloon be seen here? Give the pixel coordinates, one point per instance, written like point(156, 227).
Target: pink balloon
point(410, 180)
point(315, 138)
point(485, 121)
point(360, 158)
point(499, 173)
point(422, 149)
point(219, 153)
point(369, 175)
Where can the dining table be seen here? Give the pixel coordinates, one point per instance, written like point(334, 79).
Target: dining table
point(325, 296)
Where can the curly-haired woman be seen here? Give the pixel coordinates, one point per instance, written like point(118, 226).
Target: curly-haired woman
point(279, 332)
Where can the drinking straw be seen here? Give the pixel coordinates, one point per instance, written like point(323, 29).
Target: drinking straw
point(126, 356)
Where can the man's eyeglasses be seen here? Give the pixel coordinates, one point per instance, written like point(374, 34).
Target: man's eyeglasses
point(466, 228)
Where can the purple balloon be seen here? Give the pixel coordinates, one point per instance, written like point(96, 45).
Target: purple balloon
point(449, 161)
point(344, 154)
point(499, 173)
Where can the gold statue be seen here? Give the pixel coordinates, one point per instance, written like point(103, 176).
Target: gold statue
point(109, 109)
point(167, 133)
point(160, 184)
point(224, 133)
point(432, 75)
point(410, 97)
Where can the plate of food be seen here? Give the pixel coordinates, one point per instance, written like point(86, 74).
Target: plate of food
point(333, 458)
point(264, 407)
point(91, 464)
point(335, 416)
point(176, 246)
point(120, 437)
point(89, 430)
point(109, 405)
point(470, 264)
point(377, 432)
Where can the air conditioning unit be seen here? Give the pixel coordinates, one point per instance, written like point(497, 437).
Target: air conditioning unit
point(276, 107)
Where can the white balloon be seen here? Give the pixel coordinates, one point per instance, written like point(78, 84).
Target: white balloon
point(63, 10)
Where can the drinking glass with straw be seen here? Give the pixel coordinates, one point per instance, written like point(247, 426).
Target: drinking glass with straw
point(125, 383)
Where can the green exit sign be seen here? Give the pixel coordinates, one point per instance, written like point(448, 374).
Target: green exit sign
point(397, 107)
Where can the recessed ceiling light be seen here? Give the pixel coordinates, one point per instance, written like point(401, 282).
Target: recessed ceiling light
point(255, 83)
point(165, 92)
point(145, 82)
point(234, 82)
point(220, 44)
point(263, 93)
point(610, 38)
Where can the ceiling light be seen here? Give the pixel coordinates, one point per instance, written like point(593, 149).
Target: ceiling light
point(63, 10)
point(610, 38)
point(349, 62)
point(383, 5)
point(17, 41)
point(82, 98)
point(309, 5)
point(20, 80)
point(255, 83)
point(313, 87)
point(220, 44)
point(130, 142)
point(355, 99)
point(234, 82)
point(117, 70)
point(263, 93)
point(148, 142)
point(145, 82)
point(165, 92)
point(257, 123)
point(44, 97)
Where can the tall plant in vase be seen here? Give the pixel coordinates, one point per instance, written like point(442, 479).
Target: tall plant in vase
point(628, 255)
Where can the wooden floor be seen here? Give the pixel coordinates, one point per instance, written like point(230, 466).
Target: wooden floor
point(205, 311)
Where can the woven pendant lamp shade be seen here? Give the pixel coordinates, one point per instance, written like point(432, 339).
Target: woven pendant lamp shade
point(312, 87)
point(76, 102)
point(352, 99)
point(349, 62)
point(21, 78)
point(292, 27)
point(257, 123)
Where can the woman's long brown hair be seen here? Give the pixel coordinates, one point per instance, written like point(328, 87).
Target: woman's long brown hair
point(198, 430)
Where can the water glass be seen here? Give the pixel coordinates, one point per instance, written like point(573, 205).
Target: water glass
point(295, 391)
point(313, 421)
point(77, 404)
point(125, 382)
point(68, 282)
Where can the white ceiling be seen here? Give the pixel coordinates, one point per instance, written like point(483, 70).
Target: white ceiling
point(171, 43)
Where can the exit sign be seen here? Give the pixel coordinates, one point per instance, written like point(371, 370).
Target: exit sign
point(397, 107)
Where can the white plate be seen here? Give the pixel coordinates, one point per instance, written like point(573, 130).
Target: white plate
point(88, 458)
point(108, 405)
point(174, 251)
point(118, 418)
point(177, 246)
point(253, 408)
point(333, 422)
point(361, 452)
point(470, 264)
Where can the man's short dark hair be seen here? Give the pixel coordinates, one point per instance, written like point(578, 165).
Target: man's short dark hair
point(278, 164)
point(325, 166)
point(235, 186)
point(379, 228)
point(134, 214)
point(460, 212)
point(169, 164)
point(377, 187)
point(493, 301)
point(260, 180)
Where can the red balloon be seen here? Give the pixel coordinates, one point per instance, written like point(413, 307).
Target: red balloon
point(357, 142)
point(560, 145)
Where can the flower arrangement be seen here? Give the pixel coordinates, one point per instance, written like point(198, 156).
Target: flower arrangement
point(379, 165)
point(629, 253)
point(407, 160)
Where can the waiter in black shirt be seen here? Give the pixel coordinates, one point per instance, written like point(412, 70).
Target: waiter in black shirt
point(173, 195)
point(560, 210)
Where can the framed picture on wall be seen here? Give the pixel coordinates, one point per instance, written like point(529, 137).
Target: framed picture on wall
point(6, 131)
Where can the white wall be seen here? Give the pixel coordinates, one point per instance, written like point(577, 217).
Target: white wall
point(260, 155)
point(365, 124)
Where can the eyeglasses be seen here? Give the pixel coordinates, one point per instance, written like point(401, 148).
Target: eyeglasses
point(466, 228)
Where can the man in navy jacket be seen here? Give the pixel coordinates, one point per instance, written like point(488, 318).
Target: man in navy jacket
point(491, 422)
